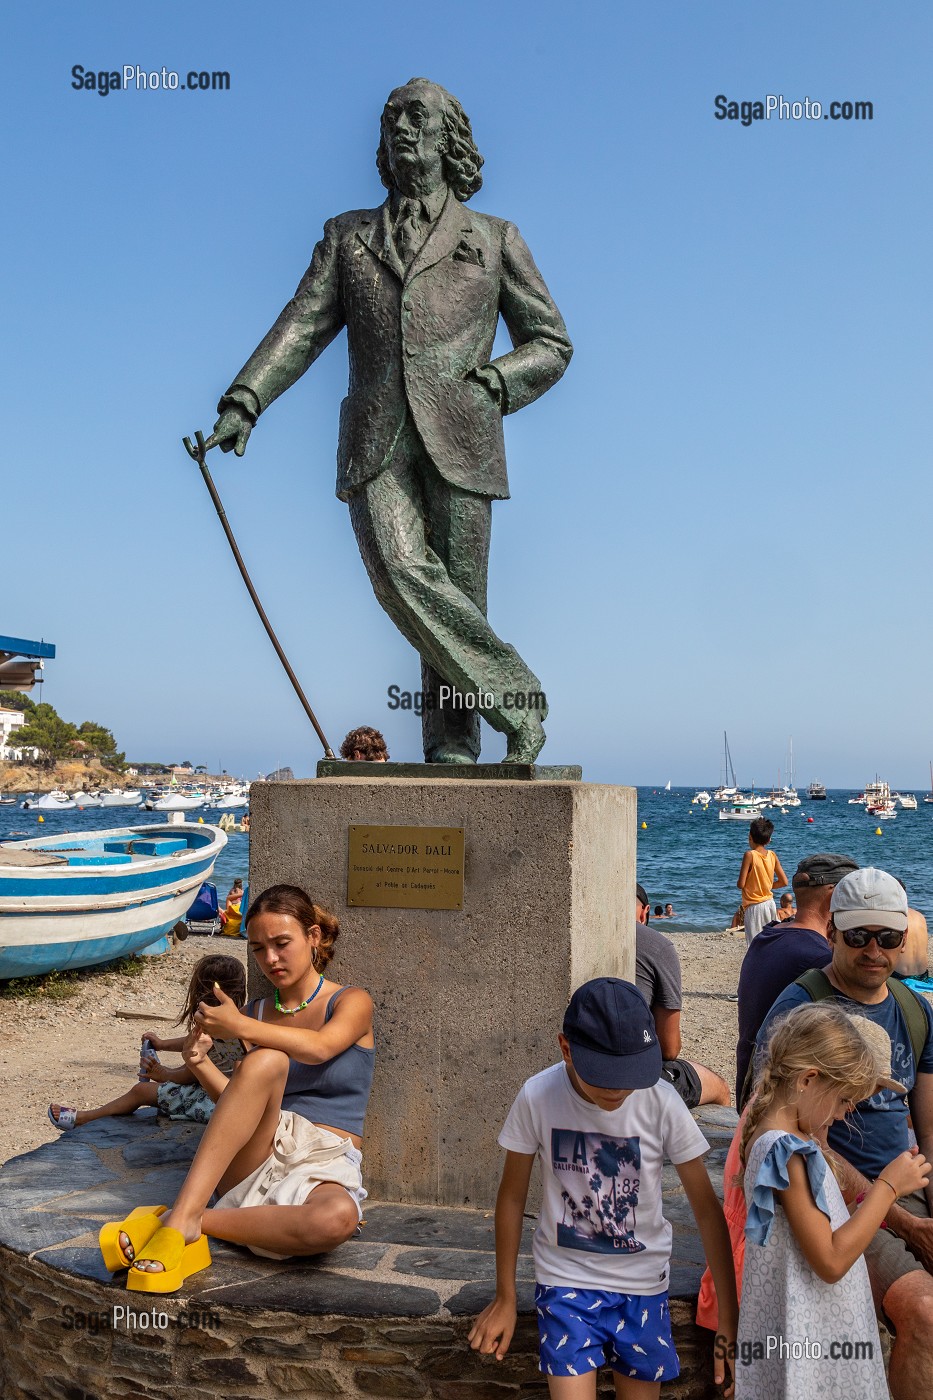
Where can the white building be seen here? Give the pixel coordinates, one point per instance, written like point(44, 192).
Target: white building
point(10, 721)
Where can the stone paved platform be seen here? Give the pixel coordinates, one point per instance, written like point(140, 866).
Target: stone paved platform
point(385, 1315)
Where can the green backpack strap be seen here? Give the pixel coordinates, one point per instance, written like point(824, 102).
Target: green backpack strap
point(818, 986)
point(914, 1014)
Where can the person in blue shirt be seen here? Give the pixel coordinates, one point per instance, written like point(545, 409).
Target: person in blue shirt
point(868, 924)
point(783, 950)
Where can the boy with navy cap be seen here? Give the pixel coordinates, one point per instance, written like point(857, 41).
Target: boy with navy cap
point(602, 1122)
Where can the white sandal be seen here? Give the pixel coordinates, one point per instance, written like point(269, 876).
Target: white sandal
point(66, 1120)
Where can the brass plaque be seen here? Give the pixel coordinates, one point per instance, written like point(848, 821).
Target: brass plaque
point(405, 867)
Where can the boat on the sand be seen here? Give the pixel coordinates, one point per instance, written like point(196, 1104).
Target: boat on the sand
point(78, 899)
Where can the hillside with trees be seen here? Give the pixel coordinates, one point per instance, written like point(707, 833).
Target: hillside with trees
point(80, 749)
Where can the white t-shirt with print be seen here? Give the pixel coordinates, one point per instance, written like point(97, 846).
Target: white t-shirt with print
point(601, 1223)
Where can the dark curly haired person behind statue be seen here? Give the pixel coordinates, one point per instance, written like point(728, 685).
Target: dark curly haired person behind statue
point(420, 284)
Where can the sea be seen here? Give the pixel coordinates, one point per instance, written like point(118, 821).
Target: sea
point(689, 858)
point(686, 856)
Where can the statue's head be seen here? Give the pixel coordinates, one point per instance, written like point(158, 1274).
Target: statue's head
point(423, 126)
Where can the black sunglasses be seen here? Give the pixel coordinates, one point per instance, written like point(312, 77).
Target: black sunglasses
point(861, 937)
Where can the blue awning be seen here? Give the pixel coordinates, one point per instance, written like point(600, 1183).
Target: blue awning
point(18, 646)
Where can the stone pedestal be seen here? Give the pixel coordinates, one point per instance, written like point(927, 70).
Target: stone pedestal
point(468, 1002)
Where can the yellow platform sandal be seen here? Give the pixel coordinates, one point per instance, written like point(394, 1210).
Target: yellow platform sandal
point(178, 1259)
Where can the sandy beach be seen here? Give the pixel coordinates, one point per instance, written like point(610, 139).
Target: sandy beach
point(77, 1051)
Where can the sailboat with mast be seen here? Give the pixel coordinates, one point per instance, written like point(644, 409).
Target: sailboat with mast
point(728, 788)
point(785, 794)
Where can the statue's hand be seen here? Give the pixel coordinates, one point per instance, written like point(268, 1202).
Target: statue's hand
point(232, 430)
point(491, 380)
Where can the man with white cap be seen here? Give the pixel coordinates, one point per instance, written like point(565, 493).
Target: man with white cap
point(867, 927)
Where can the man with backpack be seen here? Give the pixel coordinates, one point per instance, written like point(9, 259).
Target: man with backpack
point(867, 928)
point(781, 951)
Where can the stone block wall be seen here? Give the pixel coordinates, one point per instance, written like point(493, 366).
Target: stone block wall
point(205, 1350)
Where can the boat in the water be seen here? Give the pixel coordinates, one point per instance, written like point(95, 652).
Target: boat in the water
point(88, 799)
point(785, 795)
point(817, 792)
point(907, 800)
point(177, 802)
point(51, 802)
point(878, 800)
point(743, 808)
point(83, 898)
point(701, 799)
point(728, 788)
point(782, 797)
point(228, 799)
point(117, 797)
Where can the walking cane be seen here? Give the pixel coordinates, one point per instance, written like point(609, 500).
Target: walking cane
point(198, 450)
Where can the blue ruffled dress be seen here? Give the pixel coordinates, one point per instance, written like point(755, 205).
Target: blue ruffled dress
point(800, 1338)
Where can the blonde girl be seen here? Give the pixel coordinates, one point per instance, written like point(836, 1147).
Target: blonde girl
point(807, 1324)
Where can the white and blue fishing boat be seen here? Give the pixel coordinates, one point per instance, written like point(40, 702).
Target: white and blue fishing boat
point(74, 900)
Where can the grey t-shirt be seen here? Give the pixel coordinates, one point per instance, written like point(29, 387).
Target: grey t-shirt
point(657, 969)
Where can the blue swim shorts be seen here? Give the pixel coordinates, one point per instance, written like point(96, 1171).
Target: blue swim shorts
point(580, 1329)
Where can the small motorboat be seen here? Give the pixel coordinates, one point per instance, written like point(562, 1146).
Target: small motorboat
point(229, 801)
point(178, 802)
point(118, 797)
point(87, 799)
point(51, 802)
point(907, 800)
point(742, 810)
point(83, 898)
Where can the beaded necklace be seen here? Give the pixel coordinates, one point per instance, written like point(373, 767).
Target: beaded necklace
point(293, 1010)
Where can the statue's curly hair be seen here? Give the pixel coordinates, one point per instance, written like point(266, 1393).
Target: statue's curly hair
point(462, 161)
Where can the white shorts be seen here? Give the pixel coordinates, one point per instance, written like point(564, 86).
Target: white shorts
point(303, 1156)
point(756, 916)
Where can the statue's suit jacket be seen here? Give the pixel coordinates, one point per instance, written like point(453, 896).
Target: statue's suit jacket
point(413, 338)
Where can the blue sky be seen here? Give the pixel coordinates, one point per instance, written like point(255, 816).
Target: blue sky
point(720, 518)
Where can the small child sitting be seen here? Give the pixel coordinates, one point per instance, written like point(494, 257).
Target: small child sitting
point(602, 1122)
point(176, 1093)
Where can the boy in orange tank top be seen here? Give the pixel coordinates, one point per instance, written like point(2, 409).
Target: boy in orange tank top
point(760, 873)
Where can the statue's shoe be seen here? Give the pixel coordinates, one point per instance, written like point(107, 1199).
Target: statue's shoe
point(450, 753)
point(526, 743)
